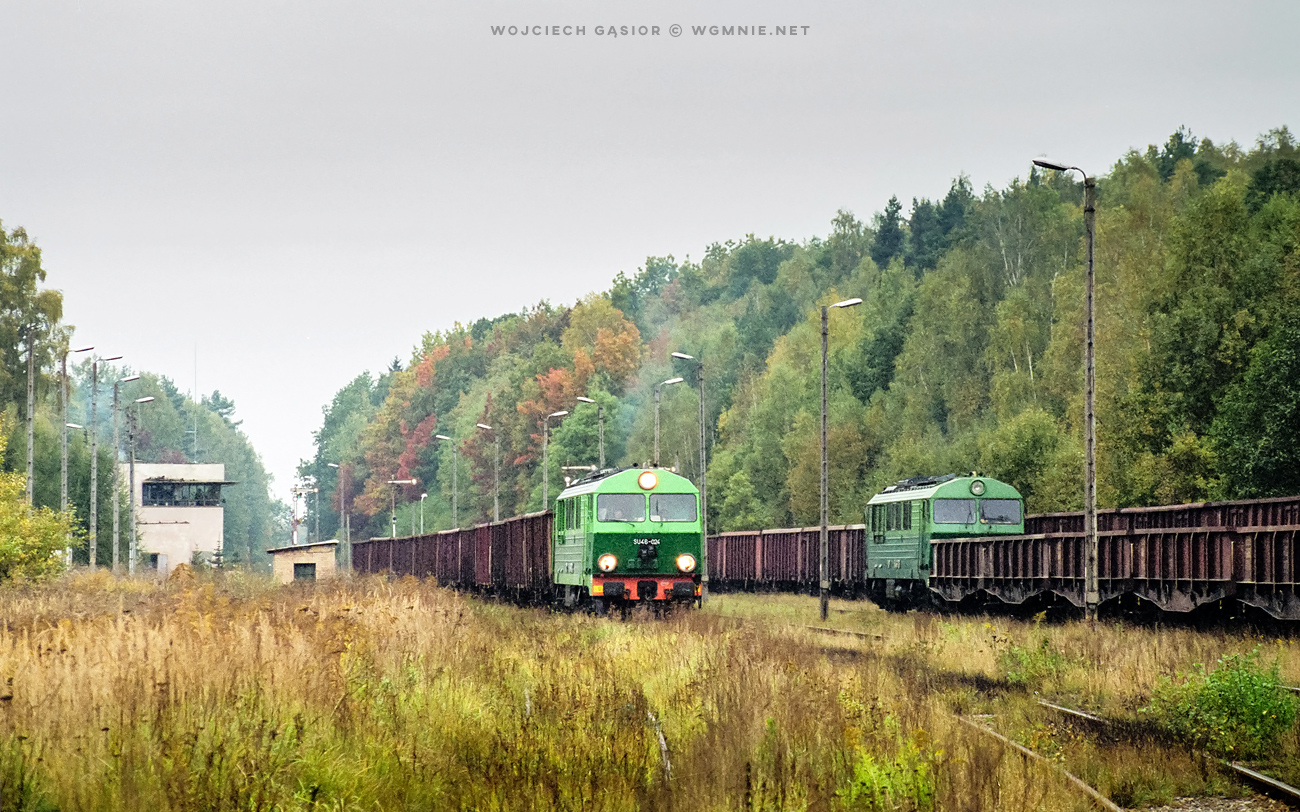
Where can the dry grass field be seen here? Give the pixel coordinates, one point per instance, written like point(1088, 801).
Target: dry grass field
point(235, 694)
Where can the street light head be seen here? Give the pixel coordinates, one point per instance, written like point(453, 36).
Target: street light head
point(84, 349)
point(584, 400)
point(129, 379)
point(441, 437)
point(112, 358)
point(402, 481)
point(74, 425)
point(847, 303)
point(684, 356)
point(332, 464)
point(484, 426)
point(672, 380)
point(144, 400)
point(424, 496)
point(558, 414)
point(1047, 163)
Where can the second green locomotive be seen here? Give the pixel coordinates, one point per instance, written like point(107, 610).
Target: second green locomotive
point(903, 518)
point(628, 536)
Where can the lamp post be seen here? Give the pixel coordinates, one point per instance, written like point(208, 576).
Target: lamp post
point(455, 487)
point(704, 494)
point(93, 540)
point(117, 476)
point(546, 468)
point(600, 428)
point(344, 533)
point(1091, 588)
point(133, 418)
point(423, 496)
point(68, 552)
point(395, 483)
point(63, 410)
point(31, 412)
point(496, 472)
point(658, 390)
point(825, 497)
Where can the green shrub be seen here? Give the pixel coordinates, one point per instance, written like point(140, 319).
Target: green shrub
point(905, 783)
point(1238, 710)
point(1031, 667)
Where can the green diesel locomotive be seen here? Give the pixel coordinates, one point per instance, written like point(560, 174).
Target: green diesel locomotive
point(627, 536)
point(903, 518)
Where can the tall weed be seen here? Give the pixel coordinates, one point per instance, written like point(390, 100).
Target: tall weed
point(1238, 710)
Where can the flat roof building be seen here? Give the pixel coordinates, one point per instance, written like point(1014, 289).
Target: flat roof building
point(304, 562)
point(179, 512)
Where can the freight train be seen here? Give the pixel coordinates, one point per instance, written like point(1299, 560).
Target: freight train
point(917, 547)
point(617, 538)
point(943, 540)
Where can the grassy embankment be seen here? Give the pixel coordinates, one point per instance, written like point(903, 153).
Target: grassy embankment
point(398, 695)
point(1147, 677)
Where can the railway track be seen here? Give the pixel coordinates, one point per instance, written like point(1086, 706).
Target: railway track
point(1266, 784)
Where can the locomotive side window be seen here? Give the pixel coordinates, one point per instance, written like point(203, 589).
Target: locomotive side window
point(954, 511)
point(620, 507)
point(1000, 511)
point(672, 507)
point(907, 515)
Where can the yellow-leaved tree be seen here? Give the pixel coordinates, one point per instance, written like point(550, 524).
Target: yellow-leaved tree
point(31, 539)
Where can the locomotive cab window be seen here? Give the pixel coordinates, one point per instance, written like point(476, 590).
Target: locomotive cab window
point(907, 515)
point(1000, 511)
point(672, 507)
point(954, 511)
point(620, 507)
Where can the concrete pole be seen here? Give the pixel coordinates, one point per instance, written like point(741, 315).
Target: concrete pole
point(546, 469)
point(600, 422)
point(63, 442)
point(93, 539)
point(656, 458)
point(117, 487)
point(132, 417)
point(496, 478)
point(825, 542)
point(31, 411)
point(704, 495)
point(455, 486)
point(344, 523)
point(1092, 595)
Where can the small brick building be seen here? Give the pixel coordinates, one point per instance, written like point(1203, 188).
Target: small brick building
point(304, 562)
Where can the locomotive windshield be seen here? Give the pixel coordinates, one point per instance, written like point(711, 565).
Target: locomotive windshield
point(1000, 511)
point(954, 511)
point(672, 507)
point(620, 507)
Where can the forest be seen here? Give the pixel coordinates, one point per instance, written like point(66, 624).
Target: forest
point(966, 355)
point(170, 428)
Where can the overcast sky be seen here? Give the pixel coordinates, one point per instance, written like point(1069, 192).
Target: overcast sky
point(302, 189)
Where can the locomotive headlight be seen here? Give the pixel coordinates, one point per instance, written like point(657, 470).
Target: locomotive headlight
point(607, 562)
point(977, 487)
point(686, 562)
point(647, 480)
